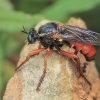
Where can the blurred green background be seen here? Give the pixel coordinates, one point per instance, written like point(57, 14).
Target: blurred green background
point(15, 13)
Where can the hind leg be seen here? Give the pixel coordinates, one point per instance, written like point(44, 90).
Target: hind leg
point(74, 56)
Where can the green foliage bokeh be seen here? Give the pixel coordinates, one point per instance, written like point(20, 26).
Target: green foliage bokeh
point(16, 13)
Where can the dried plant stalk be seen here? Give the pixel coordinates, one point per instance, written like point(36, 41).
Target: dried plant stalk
point(61, 81)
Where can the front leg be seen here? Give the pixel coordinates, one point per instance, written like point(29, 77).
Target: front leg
point(31, 53)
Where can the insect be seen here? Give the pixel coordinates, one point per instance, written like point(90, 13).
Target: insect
point(55, 35)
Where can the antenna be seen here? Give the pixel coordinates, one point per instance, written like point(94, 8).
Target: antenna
point(24, 31)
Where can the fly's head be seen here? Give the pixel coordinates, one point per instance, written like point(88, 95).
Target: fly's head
point(32, 35)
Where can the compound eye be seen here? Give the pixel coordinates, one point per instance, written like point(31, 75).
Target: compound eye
point(30, 39)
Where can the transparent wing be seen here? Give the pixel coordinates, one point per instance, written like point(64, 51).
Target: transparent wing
point(76, 34)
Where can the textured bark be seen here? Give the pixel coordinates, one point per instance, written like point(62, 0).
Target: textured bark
point(61, 81)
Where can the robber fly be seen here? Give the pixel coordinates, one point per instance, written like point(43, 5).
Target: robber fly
point(54, 35)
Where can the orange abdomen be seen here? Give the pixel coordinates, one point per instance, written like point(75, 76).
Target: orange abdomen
point(87, 50)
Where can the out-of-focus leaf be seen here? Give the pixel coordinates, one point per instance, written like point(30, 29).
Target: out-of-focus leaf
point(98, 59)
point(8, 70)
point(5, 5)
point(32, 6)
point(63, 8)
point(9, 43)
point(10, 46)
point(3, 37)
point(11, 22)
point(1, 59)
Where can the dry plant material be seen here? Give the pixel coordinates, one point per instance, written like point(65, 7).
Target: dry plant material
point(61, 81)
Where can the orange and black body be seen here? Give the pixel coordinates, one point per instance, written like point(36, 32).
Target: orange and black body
point(87, 50)
point(55, 35)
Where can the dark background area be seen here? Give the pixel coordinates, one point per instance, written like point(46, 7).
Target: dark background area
point(15, 13)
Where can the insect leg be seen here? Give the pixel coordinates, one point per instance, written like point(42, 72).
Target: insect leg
point(39, 45)
point(31, 53)
point(78, 63)
point(44, 72)
point(83, 68)
point(78, 67)
point(71, 55)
